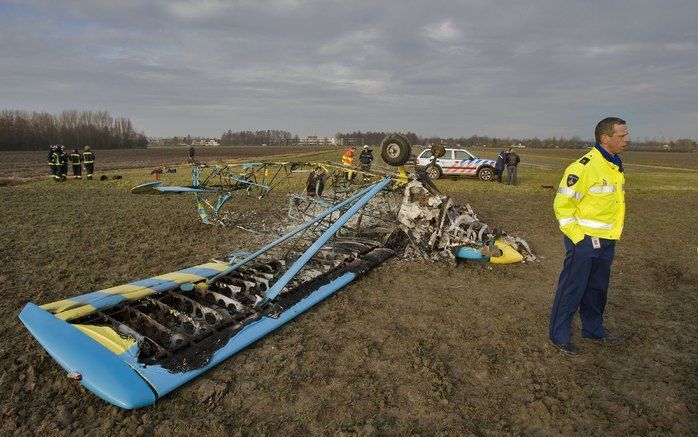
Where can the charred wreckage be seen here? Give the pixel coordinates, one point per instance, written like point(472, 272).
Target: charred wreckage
point(132, 344)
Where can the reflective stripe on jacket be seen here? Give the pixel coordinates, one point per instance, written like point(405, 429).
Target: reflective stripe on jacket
point(348, 158)
point(88, 157)
point(75, 158)
point(591, 199)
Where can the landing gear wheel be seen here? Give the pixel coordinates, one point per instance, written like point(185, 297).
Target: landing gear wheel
point(485, 174)
point(433, 171)
point(395, 149)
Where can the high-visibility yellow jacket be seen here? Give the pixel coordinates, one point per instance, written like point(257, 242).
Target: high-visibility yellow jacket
point(591, 199)
point(348, 158)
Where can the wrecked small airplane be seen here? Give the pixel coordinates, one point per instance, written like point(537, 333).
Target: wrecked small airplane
point(134, 343)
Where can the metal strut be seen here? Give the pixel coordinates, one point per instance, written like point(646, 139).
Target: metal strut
point(296, 231)
point(274, 291)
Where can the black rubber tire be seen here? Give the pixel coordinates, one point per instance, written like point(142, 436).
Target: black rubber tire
point(486, 174)
point(395, 149)
point(433, 171)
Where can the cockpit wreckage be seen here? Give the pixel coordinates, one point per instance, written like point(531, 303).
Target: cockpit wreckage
point(134, 343)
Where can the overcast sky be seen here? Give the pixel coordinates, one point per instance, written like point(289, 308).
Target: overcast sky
point(450, 68)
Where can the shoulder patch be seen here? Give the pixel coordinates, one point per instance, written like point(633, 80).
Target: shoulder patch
point(572, 179)
point(584, 160)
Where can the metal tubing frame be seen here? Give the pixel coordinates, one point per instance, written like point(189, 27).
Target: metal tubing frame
point(300, 262)
point(300, 228)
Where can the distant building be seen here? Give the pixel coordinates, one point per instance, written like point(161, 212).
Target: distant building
point(665, 148)
point(350, 142)
point(205, 142)
point(313, 140)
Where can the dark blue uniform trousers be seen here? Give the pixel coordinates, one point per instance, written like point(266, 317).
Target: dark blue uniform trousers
point(583, 284)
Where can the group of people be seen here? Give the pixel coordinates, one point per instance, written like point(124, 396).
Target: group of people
point(58, 162)
point(508, 159)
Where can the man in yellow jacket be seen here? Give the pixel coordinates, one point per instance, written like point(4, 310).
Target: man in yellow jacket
point(590, 209)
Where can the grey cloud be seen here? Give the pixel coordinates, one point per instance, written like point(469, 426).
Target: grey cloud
point(317, 67)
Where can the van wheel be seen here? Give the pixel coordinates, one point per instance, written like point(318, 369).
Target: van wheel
point(434, 171)
point(485, 174)
point(395, 149)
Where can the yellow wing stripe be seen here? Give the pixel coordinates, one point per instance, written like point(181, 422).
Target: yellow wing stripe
point(108, 338)
point(76, 313)
point(73, 308)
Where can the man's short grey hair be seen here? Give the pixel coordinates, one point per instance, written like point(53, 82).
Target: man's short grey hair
point(607, 126)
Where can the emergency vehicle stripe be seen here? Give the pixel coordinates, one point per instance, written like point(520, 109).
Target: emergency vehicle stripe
point(567, 221)
point(569, 192)
point(594, 224)
point(603, 189)
point(459, 170)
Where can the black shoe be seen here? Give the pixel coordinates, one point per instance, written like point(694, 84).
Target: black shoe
point(568, 349)
point(608, 341)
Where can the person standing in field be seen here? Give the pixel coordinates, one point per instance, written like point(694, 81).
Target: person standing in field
point(88, 158)
point(590, 209)
point(192, 152)
point(348, 157)
point(500, 164)
point(63, 163)
point(51, 164)
point(76, 161)
point(348, 160)
point(512, 166)
point(366, 158)
point(54, 161)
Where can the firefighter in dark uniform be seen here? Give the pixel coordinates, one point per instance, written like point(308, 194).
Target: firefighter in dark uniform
point(590, 208)
point(88, 158)
point(63, 160)
point(54, 163)
point(366, 158)
point(76, 160)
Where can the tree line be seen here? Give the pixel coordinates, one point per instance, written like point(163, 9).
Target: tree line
point(22, 130)
point(575, 142)
point(374, 138)
point(256, 138)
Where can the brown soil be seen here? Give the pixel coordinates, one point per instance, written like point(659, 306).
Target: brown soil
point(29, 165)
point(413, 348)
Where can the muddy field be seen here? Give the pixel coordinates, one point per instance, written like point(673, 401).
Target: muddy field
point(413, 348)
point(17, 167)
